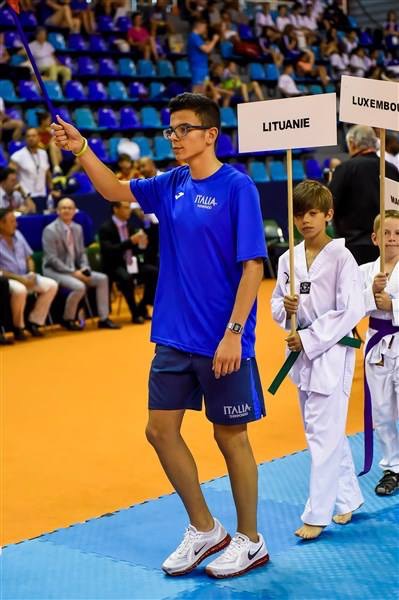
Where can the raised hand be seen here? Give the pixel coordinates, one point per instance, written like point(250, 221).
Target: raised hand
point(66, 136)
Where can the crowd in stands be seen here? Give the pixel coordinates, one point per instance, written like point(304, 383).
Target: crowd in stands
point(112, 73)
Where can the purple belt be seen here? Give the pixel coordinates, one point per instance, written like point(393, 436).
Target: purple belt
point(383, 327)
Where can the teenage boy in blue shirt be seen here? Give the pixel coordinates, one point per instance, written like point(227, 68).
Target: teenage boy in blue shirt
point(212, 248)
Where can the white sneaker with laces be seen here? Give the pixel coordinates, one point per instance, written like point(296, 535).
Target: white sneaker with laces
point(241, 556)
point(195, 547)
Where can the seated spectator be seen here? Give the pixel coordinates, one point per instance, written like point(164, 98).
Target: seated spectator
point(271, 51)
point(391, 32)
point(4, 305)
point(290, 43)
point(263, 18)
point(350, 41)
point(231, 81)
point(59, 14)
point(178, 31)
point(47, 141)
point(213, 87)
point(12, 194)
point(18, 267)
point(158, 18)
point(228, 30)
point(197, 51)
point(286, 83)
point(305, 67)
point(65, 260)
point(127, 169)
point(147, 168)
point(334, 16)
point(120, 246)
point(339, 61)
point(140, 39)
point(359, 62)
point(44, 55)
point(16, 126)
point(283, 18)
point(83, 10)
point(33, 170)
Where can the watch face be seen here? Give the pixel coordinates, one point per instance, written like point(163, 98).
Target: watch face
point(236, 327)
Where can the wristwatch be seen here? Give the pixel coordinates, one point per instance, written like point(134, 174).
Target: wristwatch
point(235, 327)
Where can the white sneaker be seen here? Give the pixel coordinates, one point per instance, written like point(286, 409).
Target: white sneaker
point(195, 547)
point(241, 556)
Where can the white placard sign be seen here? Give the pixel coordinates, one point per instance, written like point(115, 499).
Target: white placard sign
point(303, 122)
point(391, 194)
point(369, 102)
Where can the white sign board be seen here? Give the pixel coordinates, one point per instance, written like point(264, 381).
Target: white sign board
point(303, 122)
point(391, 194)
point(369, 102)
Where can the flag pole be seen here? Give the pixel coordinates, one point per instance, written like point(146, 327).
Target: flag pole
point(291, 234)
point(382, 200)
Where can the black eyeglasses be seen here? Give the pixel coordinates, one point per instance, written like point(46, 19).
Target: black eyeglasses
point(181, 130)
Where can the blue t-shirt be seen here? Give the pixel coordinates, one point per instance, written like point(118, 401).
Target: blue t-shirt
point(207, 227)
point(197, 58)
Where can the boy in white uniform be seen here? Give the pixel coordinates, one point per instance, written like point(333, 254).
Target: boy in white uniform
point(381, 295)
point(328, 304)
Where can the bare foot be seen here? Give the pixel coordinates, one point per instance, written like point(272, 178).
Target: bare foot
point(342, 519)
point(309, 532)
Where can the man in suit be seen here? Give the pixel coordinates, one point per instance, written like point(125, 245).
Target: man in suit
point(65, 260)
point(123, 253)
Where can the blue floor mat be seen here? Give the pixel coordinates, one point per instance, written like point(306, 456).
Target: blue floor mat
point(118, 556)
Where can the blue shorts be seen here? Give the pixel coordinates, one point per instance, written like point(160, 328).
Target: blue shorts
point(199, 76)
point(179, 380)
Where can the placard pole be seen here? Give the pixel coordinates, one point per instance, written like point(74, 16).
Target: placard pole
point(291, 234)
point(382, 200)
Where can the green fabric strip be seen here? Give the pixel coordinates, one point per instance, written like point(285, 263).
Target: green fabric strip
point(291, 358)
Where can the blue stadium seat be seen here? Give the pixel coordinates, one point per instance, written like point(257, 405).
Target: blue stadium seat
point(226, 49)
point(271, 72)
point(15, 113)
point(28, 90)
point(107, 66)
point(129, 118)
point(330, 88)
point(54, 90)
point(76, 42)
point(165, 68)
point(165, 117)
point(57, 40)
point(10, 38)
point(258, 172)
point(82, 181)
point(298, 172)
point(31, 117)
point(84, 119)
point(150, 117)
point(113, 148)
point(98, 44)
point(245, 32)
point(313, 169)
point(256, 72)
point(16, 60)
point(14, 146)
point(123, 24)
point(240, 167)
point(107, 118)
point(117, 91)
point(105, 23)
point(28, 20)
point(182, 68)
point(156, 90)
point(99, 149)
point(127, 68)
point(3, 157)
point(7, 91)
point(315, 89)
point(6, 19)
point(145, 68)
point(353, 22)
point(228, 117)
point(162, 148)
point(144, 145)
point(64, 113)
point(97, 91)
point(277, 171)
point(86, 66)
point(66, 60)
point(224, 147)
point(74, 90)
point(137, 90)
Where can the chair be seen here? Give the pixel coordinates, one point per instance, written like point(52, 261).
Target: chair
point(316, 89)
point(150, 117)
point(123, 24)
point(107, 119)
point(226, 49)
point(57, 40)
point(6, 19)
point(225, 146)
point(182, 68)
point(7, 91)
point(129, 118)
point(245, 32)
point(162, 148)
point(54, 90)
point(298, 172)
point(127, 68)
point(10, 38)
point(277, 171)
point(98, 44)
point(165, 69)
point(64, 114)
point(256, 72)
point(98, 147)
point(156, 90)
point(31, 117)
point(86, 66)
point(258, 172)
point(97, 91)
point(82, 182)
point(28, 20)
point(228, 117)
point(137, 90)
point(74, 90)
point(313, 169)
point(16, 60)
point(271, 72)
point(84, 119)
point(107, 67)
point(105, 23)
point(113, 148)
point(3, 157)
point(276, 244)
point(165, 117)
point(144, 146)
point(145, 68)
point(76, 42)
point(14, 113)
point(117, 91)
point(28, 90)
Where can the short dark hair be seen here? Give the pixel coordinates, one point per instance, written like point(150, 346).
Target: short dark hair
point(125, 157)
point(206, 109)
point(4, 173)
point(311, 194)
point(4, 212)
